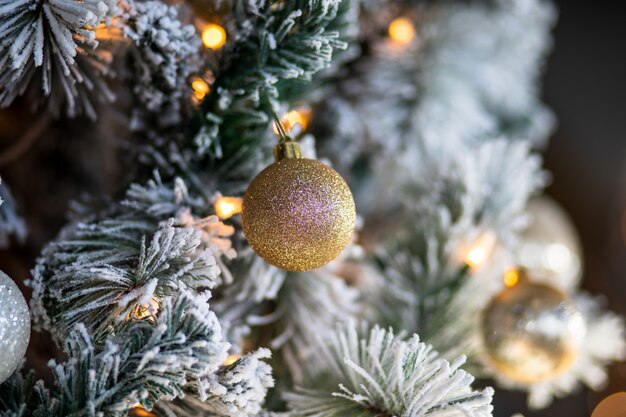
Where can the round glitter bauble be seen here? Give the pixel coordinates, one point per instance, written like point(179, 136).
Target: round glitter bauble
point(549, 247)
point(298, 214)
point(14, 327)
point(532, 332)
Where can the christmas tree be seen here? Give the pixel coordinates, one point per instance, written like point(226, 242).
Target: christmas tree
point(255, 208)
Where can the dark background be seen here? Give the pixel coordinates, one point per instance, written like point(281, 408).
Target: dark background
point(585, 85)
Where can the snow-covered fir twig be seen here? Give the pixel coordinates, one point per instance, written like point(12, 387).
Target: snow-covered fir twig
point(144, 363)
point(379, 374)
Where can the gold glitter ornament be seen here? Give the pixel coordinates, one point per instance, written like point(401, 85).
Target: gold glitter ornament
point(532, 332)
point(298, 214)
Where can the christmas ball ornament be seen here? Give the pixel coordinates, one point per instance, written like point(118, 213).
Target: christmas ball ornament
point(549, 247)
point(298, 214)
point(14, 327)
point(532, 332)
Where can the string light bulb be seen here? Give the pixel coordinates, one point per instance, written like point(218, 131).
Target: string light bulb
point(231, 359)
point(401, 31)
point(292, 118)
point(226, 207)
point(213, 36)
point(200, 88)
point(511, 277)
point(137, 410)
point(146, 311)
point(478, 252)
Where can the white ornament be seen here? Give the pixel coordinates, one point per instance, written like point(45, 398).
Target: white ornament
point(14, 327)
point(550, 249)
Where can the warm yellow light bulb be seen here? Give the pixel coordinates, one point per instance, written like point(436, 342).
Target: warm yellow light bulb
point(226, 207)
point(148, 311)
point(477, 253)
point(231, 359)
point(511, 277)
point(200, 88)
point(213, 36)
point(137, 410)
point(294, 117)
point(401, 31)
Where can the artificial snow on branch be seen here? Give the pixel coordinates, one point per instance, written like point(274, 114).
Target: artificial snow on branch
point(273, 43)
point(144, 363)
point(381, 374)
point(51, 45)
point(103, 273)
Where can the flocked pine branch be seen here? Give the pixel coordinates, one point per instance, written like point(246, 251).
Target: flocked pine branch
point(164, 53)
point(50, 45)
point(235, 390)
point(380, 374)
point(101, 272)
point(145, 363)
point(271, 43)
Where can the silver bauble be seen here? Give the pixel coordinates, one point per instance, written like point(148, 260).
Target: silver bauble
point(14, 327)
point(550, 248)
point(532, 332)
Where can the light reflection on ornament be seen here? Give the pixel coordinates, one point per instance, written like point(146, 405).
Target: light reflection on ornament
point(213, 36)
point(226, 207)
point(401, 31)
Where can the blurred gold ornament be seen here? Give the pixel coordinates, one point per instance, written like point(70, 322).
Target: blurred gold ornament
point(550, 249)
point(532, 332)
point(213, 36)
point(226, 207)
point(612, 406)
point(298, 214)
point(401, 31)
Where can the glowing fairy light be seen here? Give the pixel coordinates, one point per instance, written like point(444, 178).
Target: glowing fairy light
point(146, 311)
point(213, 36)
point(478, 252)
point(401, 31)
point(511, 277)
point(294, 117)
point(226, 207)
point(231, 359)
point(200, 88)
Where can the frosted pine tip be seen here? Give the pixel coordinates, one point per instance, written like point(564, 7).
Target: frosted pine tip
point(213, 36)
point(226, 207)
point(401, 31)
point(231, 359)
point(294, 117)
point(200, 88)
